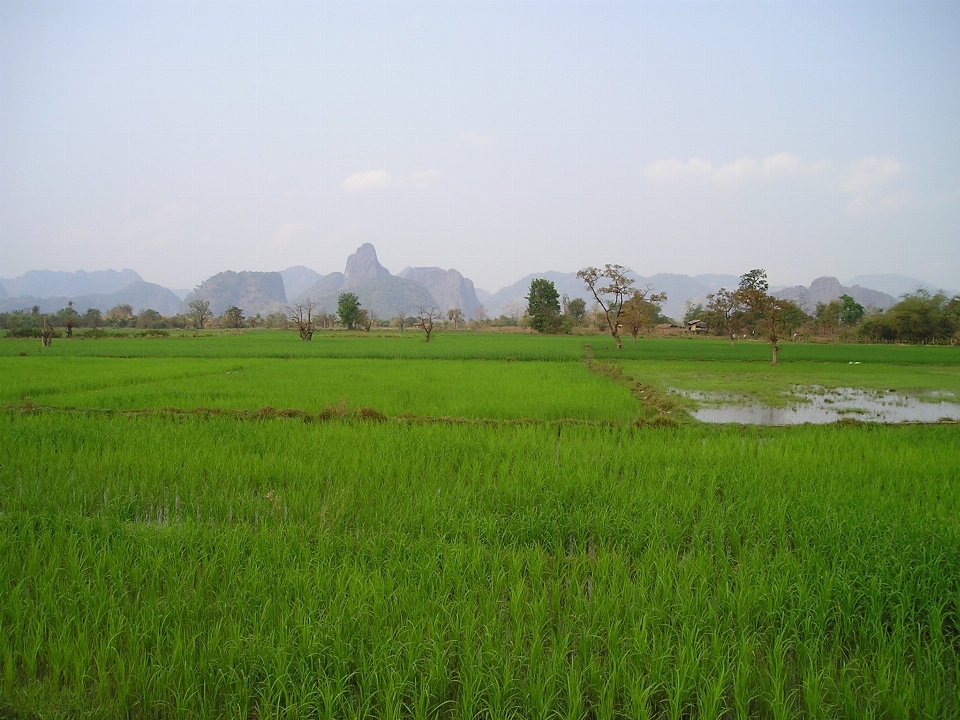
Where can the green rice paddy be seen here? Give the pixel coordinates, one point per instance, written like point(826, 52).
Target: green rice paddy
point(250, 526)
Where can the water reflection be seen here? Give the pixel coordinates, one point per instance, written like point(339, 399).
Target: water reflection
point(826, 405)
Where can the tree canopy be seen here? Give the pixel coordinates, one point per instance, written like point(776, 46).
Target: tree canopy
point(543, 306)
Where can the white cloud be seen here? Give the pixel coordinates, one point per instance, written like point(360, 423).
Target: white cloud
point(869, 174)
point(732, 174)
point(878, 203)
point(475, 139)
point(866, 180)
point(373, 180)
point(674, 171)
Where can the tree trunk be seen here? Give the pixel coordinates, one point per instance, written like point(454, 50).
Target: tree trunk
point(776, 349)
point(616, 336)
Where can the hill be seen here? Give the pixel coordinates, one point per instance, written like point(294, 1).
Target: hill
point(298, 279)
point(49, 284)
point(252, 292)
point(827, 289)
point(140, 295)
point(449, 288)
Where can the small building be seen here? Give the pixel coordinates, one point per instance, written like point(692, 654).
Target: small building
point(697, 326)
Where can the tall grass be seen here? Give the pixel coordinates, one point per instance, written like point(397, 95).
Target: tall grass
point(182, 567)
point(454, 388)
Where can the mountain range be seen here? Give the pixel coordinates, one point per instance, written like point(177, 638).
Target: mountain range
point(388, 295)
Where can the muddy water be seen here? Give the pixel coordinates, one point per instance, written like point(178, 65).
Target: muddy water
point(826, 405)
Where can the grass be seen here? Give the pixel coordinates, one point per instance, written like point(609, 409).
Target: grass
point(194, 563)
point(453, 388)
point(186, 567)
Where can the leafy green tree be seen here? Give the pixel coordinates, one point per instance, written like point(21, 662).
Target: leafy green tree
point(575, 310)
point(92, 318)
point(348, 308)
point(68, 318)
point(200, 310)
point(543, 306)
point(233, 317)
point(920, 317)
point(851, 312)
point(149, 319)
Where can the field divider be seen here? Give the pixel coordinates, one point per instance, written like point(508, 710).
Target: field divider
point(328, 414)
point(656, 408)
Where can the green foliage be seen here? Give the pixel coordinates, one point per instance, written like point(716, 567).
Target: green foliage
point(920, 317)
point(543, 306)
point(233, 317)
point(348, 308)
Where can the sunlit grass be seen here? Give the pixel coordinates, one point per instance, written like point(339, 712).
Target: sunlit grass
point(192, 567)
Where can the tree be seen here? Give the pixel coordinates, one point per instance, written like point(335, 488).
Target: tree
point(366, 319)
point(91, 318)
point(348, 308)
point(455, 315)
point(724, 313)
point(46, 335)
point(543, 306)
point(233, 317)
point(69, 318)
point(149, 318)
point(426, 317)
point(641, 311)
point(200, 309)
point(767, 315)
point(851, 312)
point(120, 315)
point(576, 311)
point(301, 317)
point(615, 291)
point(480, 314)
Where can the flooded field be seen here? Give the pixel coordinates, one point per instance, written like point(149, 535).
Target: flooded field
point(821, 405)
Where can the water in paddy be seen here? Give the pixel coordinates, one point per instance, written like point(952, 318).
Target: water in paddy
point(820, 405)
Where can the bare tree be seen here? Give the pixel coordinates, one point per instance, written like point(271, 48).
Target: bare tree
point(426, 317)
point(46, 334)
point(302, 318)
point(615, 291)
point(480, 313)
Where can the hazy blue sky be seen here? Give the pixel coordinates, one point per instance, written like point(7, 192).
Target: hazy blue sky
point(500, 138)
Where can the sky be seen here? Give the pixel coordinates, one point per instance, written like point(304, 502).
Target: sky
point(182, 139)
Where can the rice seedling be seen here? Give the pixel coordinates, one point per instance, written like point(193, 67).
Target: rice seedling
point(189, 565)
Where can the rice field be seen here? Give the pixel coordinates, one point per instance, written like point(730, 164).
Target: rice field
point(500, 539)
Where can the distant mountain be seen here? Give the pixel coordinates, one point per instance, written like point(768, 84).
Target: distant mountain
point(891, 284)
point(181, 292)
point(47, 283)
point(252, 292)
point(297, 279)
point(3, 292)
point(827, 289)
point(374, 286)
point(140, 295)
point(387, 296)
point(376, 289)
point(363, 268)
point(448, 287)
